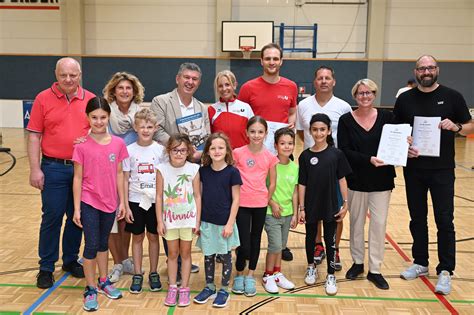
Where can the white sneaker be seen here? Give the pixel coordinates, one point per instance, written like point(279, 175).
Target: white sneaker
point(311, 275)
point(117, 271)
point(128, 266)
point(331, 286)
point(444, 283)
point(269, 284)
point(283, 282)
point(414, 271)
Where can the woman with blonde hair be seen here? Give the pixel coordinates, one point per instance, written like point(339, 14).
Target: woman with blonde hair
point(125, 93)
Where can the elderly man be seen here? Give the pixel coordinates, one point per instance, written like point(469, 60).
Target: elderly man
point(179, 111)
point(323, 101)
point(58, 118)
point(432, 173)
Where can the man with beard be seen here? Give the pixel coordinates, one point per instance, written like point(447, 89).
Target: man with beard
point(434, 174)
point(323, 101)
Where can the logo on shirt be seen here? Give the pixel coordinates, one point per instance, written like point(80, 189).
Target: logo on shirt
point(112, 157)
point(314, 161)
point(250, 162)
point(283, 97)
point(145, 168)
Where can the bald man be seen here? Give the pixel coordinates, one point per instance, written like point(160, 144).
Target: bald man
point(57, 119)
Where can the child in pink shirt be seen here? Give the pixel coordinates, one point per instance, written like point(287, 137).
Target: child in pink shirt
point(254, 162)
point(98, 190)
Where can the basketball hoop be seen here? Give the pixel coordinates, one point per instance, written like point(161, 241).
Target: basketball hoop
point(246, 51)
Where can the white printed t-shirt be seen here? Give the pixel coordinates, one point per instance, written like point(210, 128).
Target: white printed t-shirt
point(335, 108)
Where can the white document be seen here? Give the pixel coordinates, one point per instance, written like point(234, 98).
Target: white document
point(427, 135)
point(270, 139)
point(393, 145)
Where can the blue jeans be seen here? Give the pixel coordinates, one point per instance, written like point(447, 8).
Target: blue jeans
point(57, 200)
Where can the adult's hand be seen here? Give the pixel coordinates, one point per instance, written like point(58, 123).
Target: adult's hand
point(37, 178)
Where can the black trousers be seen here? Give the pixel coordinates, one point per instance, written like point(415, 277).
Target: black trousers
point(250, 222)
point(329, 229)
point(440, 183)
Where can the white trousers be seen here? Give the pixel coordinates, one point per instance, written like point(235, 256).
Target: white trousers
point(377, 204)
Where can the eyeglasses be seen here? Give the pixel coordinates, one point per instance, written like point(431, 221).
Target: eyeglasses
point(429, 68)
point(180, 151)
point(367, 93)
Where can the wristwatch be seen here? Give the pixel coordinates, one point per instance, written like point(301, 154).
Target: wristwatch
point(459, 127)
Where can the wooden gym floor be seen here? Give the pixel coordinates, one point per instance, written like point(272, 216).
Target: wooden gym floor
point(20, 210)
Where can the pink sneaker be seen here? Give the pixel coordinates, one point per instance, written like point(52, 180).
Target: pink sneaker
point(171, 297)
point(184, 299)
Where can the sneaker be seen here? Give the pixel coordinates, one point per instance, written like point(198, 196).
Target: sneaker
point(269, 284)
point(337, 263)
point(184, 297)
point(238, 286)
point(75, 269)
point(194, 268)
point(443, 286)
point(44, 279)
point(221, 299)
point(154, 281)
point(108, 290)
point(414, 271)
point(319, 254)
point(331, 286)
point(117, 271)
point(378, 280)
point(172, 296)
point(310, 276)
point(205, 295)
point(283, 282)
point(354, 271)
point(90, 299)
point(128, 266)
point(286, 254)
point(249, 286)
point(137, 284)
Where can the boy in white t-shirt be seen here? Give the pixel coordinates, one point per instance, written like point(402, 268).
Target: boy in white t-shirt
point(140, 182)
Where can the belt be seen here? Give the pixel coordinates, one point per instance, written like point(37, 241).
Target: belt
point(61, 161)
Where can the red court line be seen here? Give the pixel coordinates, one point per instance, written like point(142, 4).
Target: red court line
point(28, 7)
point(440, 297)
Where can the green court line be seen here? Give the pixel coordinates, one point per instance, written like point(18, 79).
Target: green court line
point(341, 297)
point(9, 313)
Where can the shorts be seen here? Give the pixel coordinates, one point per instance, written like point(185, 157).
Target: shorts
point(277, 232)
point(142, 218)
point(184, 234)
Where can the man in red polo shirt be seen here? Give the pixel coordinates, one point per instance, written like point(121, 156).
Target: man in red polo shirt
point(271, 96)
point(57, 119)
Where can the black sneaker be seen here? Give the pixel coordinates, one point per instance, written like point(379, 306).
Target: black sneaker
point(354, 271)
point(137, 284)
point(75, 269)
point(286, 254)
point(378, 280)
point(154, 280)
point(44, 279)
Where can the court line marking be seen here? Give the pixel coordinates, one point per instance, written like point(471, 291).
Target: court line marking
point(45, 295)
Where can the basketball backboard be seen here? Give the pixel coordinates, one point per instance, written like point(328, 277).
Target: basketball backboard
point(236, 34)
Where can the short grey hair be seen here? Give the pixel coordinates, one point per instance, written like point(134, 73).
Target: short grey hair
point(190, 66)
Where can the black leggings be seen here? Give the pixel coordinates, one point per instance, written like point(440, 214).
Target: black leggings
point(210, 267)
point(329, 240)
point(250, 222)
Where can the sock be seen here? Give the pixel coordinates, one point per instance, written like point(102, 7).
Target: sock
point(102, 280)
point(173, 286)
point(211, 286)
point(276, 269)
point(268, 273)
point(225, 288)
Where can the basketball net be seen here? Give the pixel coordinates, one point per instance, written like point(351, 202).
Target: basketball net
point(246, 51)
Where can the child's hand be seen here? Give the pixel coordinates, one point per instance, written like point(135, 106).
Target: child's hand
point(161, 228)
point(301, 217)
point(276, 209)
point(80, 140)
point(227, 231)
point(77, 218)
point(197, 229)
point(129, 216)
point(376, 161)
point(341, 214)
point(294, 222)
point(121, 212)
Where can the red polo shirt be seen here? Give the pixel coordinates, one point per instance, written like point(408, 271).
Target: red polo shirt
point(60, 122)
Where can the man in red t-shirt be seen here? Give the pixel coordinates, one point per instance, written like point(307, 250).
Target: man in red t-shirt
point(57, 118)
point(273, 97)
